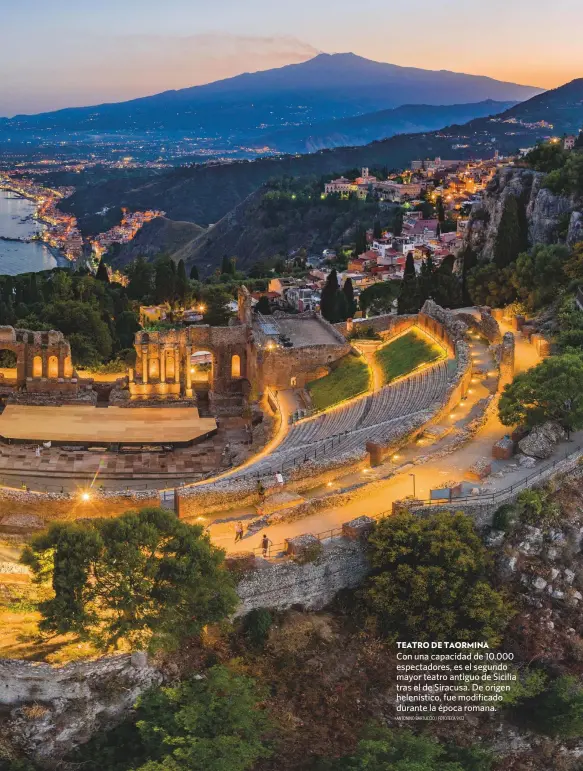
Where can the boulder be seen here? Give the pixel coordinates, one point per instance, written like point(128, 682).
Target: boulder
point(541, 441)
point(526, 461)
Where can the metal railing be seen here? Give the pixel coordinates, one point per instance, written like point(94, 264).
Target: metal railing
point(505, 492)
point(276, 551)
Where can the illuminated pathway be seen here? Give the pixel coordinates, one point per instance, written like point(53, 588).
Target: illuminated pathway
point(375, 492)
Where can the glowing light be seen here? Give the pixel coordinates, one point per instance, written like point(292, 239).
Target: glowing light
point(396, 457)
point(365, 470)
point(200, 519)
point(202, 308)
point(329, 484)
point(85, 496)
point(452, 415)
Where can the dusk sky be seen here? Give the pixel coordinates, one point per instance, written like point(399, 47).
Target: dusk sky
point(79, 52)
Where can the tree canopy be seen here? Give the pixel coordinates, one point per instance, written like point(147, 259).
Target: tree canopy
point(553, 390)
point(385, 749)
point(214, 722)
point(143, 578)
point(431, 580)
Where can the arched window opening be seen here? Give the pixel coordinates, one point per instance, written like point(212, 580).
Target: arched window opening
point(37, 366)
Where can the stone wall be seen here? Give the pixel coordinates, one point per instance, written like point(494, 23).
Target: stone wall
point(486, 325)
point(52, 709)
point(506, 360)
point(24, 512)
point(342, 564)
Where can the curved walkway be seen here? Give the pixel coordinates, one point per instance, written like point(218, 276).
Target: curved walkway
point(375, 492)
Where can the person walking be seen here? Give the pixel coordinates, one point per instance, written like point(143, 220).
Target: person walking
point(239, 532)
point(265, 544)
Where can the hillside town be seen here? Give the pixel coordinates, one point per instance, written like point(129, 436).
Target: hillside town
point(124, 232)
point(450, 188)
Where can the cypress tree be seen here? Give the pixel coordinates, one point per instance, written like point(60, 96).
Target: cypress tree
point(348, 291)
point(360, 240)
point(194, 273)
point(398, 223)
point(409, 297)
point(102, 274)
point(329, 297)
point(511, 237)
point(181, 282)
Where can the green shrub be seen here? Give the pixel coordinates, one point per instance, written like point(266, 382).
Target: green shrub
point(557, 711)
point(430, 580)
point(256, 626)
point(504, 517)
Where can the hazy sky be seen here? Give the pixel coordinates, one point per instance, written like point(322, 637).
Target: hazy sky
point(58, 53)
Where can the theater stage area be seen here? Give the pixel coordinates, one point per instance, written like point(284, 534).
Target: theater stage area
point(112, 426)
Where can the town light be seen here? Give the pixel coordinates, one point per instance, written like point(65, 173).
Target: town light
point(202, 308)
point(85, 496)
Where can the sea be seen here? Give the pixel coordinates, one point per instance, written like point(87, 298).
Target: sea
point(16, 222)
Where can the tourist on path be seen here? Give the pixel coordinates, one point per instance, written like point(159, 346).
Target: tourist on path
point(265, 544)
point(239, 532)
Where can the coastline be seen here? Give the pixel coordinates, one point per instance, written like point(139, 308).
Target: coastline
point(61, 260)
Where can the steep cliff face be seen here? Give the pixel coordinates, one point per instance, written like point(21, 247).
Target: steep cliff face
point(49, 710)
point(545, 214)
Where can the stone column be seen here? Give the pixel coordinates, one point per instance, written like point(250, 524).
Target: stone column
point(162, 354)
point(61, 372)
point(188, 372)
point(177, 364)
point(45, 364)
point(145, 365)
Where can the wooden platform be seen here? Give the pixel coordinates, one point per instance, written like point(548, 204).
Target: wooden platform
point(87, 425)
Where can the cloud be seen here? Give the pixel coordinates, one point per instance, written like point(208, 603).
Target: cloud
point(97, 69)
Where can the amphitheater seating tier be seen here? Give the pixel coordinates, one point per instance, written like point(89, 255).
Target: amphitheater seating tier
point(379, 417)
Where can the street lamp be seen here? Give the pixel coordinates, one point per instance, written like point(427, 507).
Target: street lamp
point(413, 477)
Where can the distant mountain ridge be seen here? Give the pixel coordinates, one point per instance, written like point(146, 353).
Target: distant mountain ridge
point(374, 126)
point(205, 194)
point(329, 86)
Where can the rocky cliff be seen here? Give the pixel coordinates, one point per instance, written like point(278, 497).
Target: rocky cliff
point(49, 710)
point(548, 218)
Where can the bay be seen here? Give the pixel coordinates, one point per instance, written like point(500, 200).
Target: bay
point(16, 222)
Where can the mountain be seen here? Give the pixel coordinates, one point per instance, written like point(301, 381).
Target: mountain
point(373, 126)
point(159, 236)
point(206, 193)
point(329, 86)
point(562, 107)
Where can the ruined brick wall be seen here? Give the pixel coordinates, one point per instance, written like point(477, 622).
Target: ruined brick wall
point(278, 367)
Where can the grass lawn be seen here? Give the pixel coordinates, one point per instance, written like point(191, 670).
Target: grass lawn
point(349, 377)
point(20, 637)
point(404, 354)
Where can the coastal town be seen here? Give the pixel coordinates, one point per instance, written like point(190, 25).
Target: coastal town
point(60, 230)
